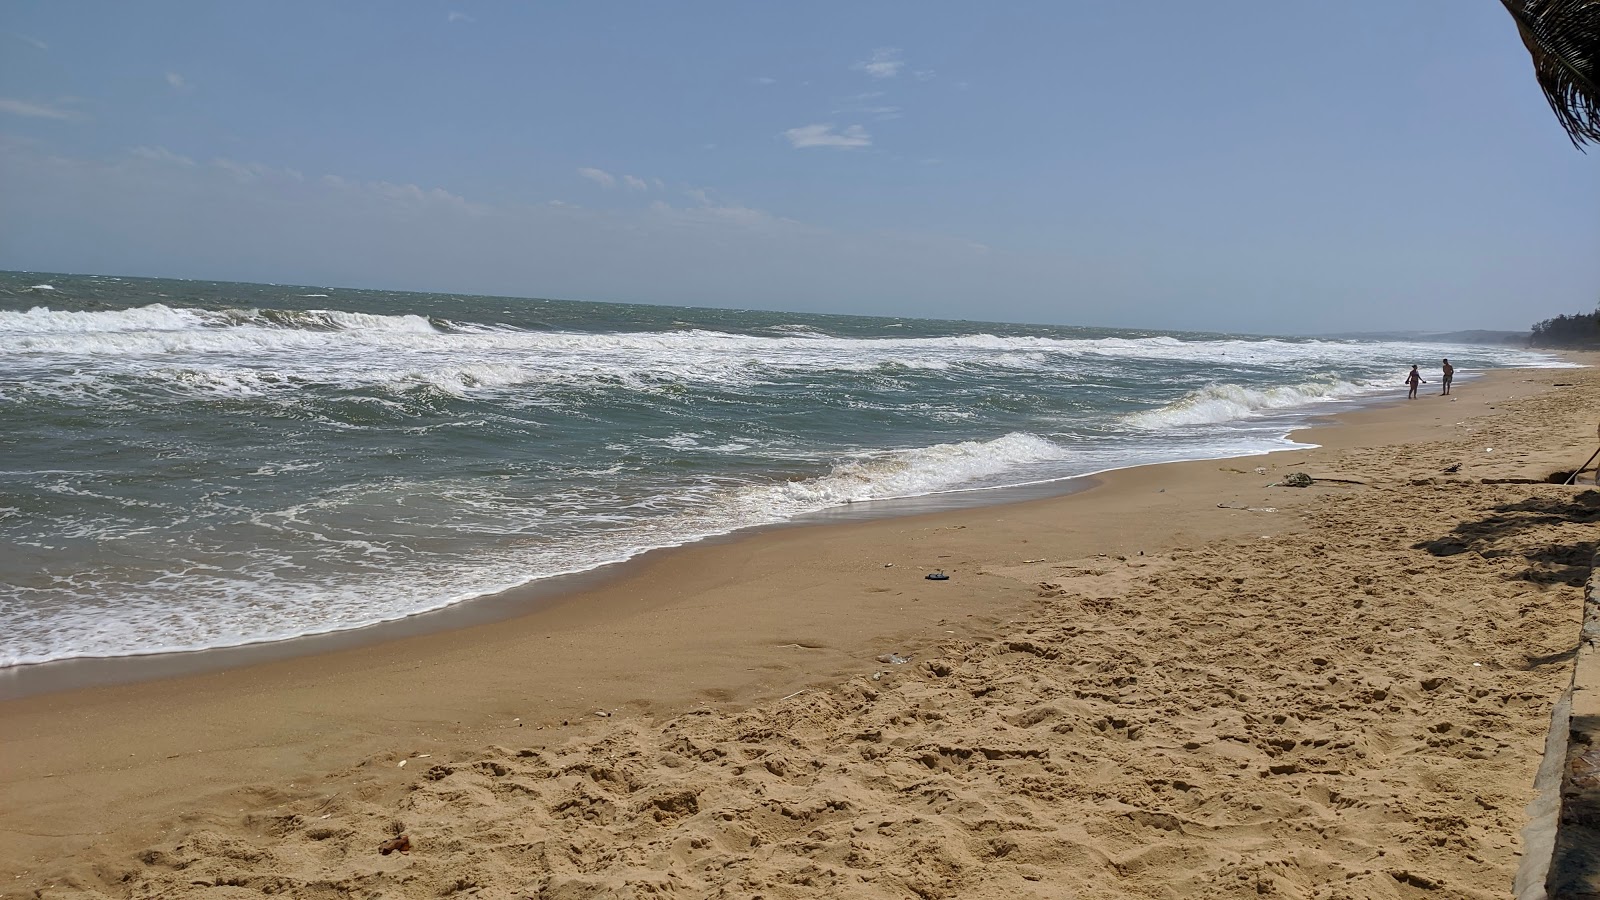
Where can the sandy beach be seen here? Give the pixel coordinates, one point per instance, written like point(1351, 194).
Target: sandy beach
point(1187, 681)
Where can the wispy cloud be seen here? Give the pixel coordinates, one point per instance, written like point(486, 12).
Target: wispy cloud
point(599, 176)
point(406, 197)
point(34, 110)
point(825, 135)
point(281, 181)
point(860, 104)
point(765, 80)
point(708, 210)
point(251, 171)
point(885, 62)
point(35, 43)
point(416, 197)
point(457, 15)
point(608, 181)
point(162, 155)
point(178, 82)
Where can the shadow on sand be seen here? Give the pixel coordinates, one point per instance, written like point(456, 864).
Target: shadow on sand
point(1537, 530)
point(1495, 536)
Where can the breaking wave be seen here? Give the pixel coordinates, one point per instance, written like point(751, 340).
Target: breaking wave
point(1219, 403)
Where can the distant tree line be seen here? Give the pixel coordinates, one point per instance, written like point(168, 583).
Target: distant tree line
point(1580, 330)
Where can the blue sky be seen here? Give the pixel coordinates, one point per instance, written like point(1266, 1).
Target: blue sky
point(1252, 166)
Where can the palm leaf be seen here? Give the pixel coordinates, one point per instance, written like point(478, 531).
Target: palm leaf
point(1564, 38)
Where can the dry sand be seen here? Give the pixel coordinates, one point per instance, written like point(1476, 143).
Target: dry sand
point(1182, 683)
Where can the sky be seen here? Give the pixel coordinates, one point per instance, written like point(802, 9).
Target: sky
point(1229, 165)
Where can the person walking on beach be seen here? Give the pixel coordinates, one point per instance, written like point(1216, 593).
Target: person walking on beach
point(1412, 380)
point(1449, 374)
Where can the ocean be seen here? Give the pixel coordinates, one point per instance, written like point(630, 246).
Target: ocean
point(188, 465)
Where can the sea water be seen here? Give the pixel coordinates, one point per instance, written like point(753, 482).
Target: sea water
point(188, 465)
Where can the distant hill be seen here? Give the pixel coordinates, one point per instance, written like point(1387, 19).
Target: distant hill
point(1469, 336)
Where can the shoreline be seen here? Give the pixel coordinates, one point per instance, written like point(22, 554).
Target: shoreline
point(713, 627)
point(531, 598)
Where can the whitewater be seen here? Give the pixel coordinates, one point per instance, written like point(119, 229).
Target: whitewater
point(191, 465)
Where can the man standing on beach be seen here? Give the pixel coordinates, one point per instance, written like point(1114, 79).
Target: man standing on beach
point(1412, 380)
point(1449, 373)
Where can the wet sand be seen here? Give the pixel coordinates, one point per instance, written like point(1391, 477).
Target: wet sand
point(1181, 682)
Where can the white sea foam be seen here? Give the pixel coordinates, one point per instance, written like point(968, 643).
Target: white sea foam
point(225, 330)
point(272, 598)
point(42, 320)
point(401, 352)
point(284, 468)
point(1219, 403)
point(805, 330)
point(900, 473)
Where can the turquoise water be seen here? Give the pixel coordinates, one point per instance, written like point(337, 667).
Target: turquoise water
point(186, 465)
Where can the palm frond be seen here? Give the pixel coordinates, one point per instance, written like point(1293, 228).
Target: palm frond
point(1563, 37)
